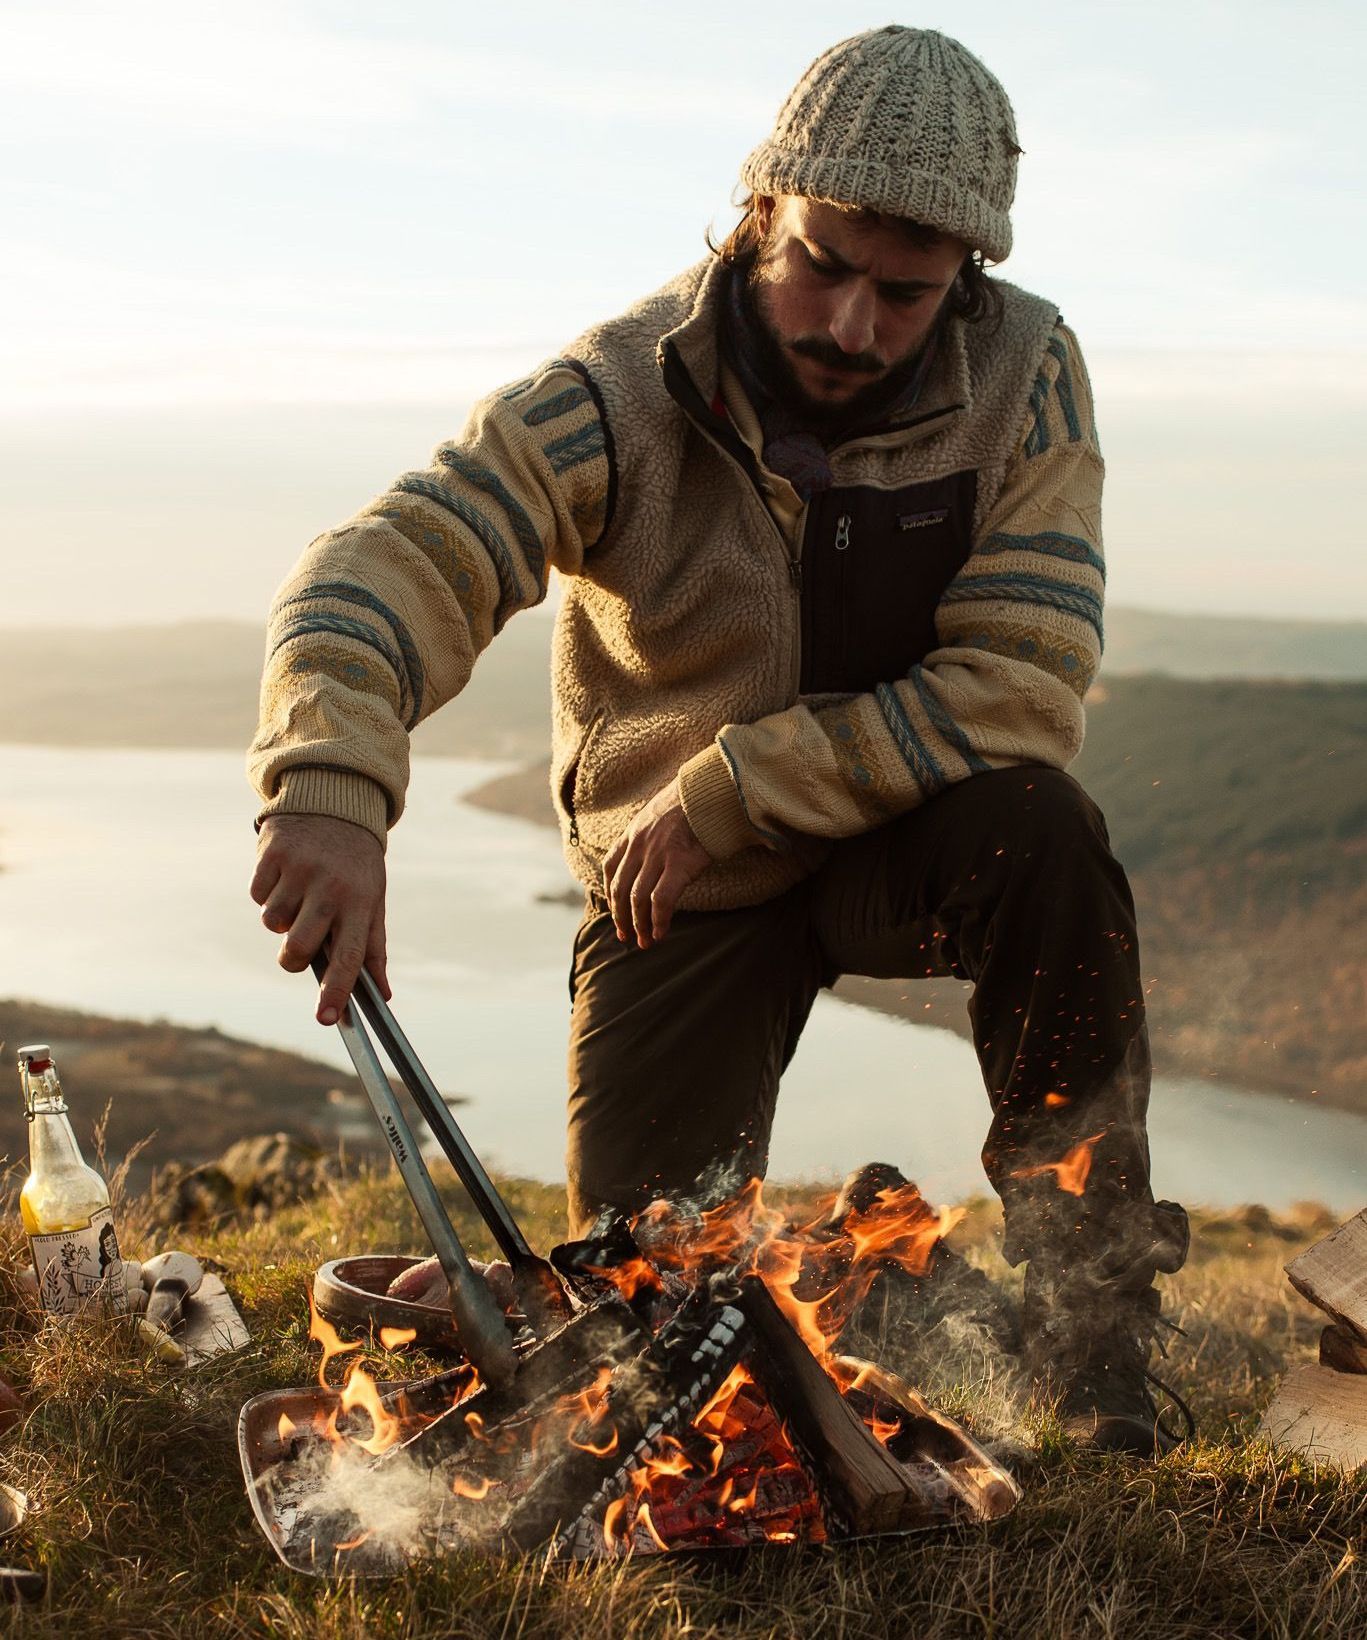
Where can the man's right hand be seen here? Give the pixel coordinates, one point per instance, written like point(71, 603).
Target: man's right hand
point(321, 880)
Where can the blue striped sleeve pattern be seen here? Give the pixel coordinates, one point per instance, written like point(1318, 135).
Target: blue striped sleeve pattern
point(564, 413)
point(1033, 589)
point(480, 536)
point(1059, 405)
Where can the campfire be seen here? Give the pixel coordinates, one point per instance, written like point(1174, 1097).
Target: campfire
point(667, 1383)
point(696, 1400)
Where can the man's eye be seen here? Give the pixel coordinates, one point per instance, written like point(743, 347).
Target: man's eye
point(828, 268)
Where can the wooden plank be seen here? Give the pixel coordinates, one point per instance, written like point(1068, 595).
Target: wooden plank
point(1333, 1274)
point(859, 1481)
point(211, 1324)
point(1321, 1413)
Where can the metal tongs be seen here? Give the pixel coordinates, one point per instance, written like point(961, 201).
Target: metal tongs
point(480, 1323)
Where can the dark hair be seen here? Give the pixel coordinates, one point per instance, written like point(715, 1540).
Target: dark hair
point(972, 298)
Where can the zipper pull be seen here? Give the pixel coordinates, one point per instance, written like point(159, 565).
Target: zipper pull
point(842, 532)
point(795, 573)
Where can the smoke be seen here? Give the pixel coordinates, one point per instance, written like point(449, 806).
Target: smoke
point(330, 1494)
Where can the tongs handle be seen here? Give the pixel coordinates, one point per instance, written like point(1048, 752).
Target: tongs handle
point(479, 1321)
point(435, 1112)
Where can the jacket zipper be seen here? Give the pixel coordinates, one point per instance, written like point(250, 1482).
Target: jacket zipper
point(670, 360)
point(842, 592)
point(569, 784)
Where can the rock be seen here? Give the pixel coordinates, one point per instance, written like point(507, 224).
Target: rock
point(274, 1168)
point(252, 1178)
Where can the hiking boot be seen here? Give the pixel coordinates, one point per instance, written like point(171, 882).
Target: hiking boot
point(950, 1290)
point(1096, 1370)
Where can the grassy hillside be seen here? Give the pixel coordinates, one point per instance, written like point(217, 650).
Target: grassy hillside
point(140, 1521)
point(192, 1092)
point(1224, 771)
point(1240, 810)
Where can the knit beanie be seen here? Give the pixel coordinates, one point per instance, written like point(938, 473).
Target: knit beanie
point(904, 121)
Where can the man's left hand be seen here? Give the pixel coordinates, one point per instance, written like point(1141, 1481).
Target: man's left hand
point(650, 865)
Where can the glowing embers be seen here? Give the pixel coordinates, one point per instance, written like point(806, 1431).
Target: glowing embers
point(692, 1402)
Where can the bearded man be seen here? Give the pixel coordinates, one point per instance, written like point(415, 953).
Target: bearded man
point(827, 510)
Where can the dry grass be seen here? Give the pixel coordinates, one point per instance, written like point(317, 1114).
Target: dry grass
point(140, 1518)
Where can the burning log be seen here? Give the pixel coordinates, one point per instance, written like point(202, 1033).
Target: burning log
point(562, 1365)
point(694, 1404)
point(648, 1401)
point(860, 1483)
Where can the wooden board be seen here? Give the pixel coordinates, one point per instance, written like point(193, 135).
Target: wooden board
point(211, 1324)
point(1333, 1274)
point(1321, 1413)
point(858, 1480)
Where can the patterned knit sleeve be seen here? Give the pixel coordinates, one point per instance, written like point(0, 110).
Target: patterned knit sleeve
point(383, 618)
point(1019, 641)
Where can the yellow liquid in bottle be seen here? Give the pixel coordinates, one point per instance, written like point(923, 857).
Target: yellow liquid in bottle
point(49, 1212)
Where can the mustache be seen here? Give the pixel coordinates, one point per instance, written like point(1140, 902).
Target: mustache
point(826, 352)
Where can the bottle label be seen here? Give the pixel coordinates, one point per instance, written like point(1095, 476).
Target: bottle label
point(76, 1267)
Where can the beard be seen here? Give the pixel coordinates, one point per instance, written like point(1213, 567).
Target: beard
point(826, 417)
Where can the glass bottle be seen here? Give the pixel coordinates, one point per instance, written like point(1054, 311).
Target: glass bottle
point(64, 1203)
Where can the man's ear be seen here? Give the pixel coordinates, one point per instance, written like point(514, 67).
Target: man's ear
point(764, 212)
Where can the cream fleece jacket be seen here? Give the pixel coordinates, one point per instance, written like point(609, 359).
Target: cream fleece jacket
point(677, 646)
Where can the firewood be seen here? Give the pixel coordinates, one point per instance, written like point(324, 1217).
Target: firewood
point(1333, 1275)
point(1342, 1350)
point(656, 1396)
point(1321, 1413)
point(862, 1486)
point(604, 1334)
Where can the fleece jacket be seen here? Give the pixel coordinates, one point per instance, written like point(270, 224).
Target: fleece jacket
point(807, 671)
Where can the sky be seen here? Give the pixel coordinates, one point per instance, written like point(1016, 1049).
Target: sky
point(260, 257)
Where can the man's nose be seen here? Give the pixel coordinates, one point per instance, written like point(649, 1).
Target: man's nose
point(852, 322)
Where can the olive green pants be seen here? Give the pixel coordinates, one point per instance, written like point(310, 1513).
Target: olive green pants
point(1005, 879)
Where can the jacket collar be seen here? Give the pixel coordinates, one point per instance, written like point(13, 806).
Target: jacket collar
point(691, 350)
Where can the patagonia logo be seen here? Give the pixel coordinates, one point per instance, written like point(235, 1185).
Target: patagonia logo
point(922, 521)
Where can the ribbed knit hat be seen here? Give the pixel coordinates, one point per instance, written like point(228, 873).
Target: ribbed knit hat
point(904, 121)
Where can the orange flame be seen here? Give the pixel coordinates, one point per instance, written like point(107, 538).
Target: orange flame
point(1071, 1173)
point(476, 1490)
point(734, 1468)
point(612, 1516)
point(357, 1541)
point(643, 1519)
point(323, 1333)
point(604, 1451)
point(360, 1391)
point(286, 1427)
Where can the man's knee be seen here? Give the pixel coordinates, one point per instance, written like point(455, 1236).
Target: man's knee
point(1036, 809)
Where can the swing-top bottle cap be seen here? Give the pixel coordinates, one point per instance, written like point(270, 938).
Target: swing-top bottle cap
point(35, 1058)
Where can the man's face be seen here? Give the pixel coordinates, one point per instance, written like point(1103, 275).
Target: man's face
point(845, 302)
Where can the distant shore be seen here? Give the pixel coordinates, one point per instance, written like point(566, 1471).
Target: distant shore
point(183, 1094)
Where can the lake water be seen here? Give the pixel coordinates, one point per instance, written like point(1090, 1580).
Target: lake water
point(124, 891)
